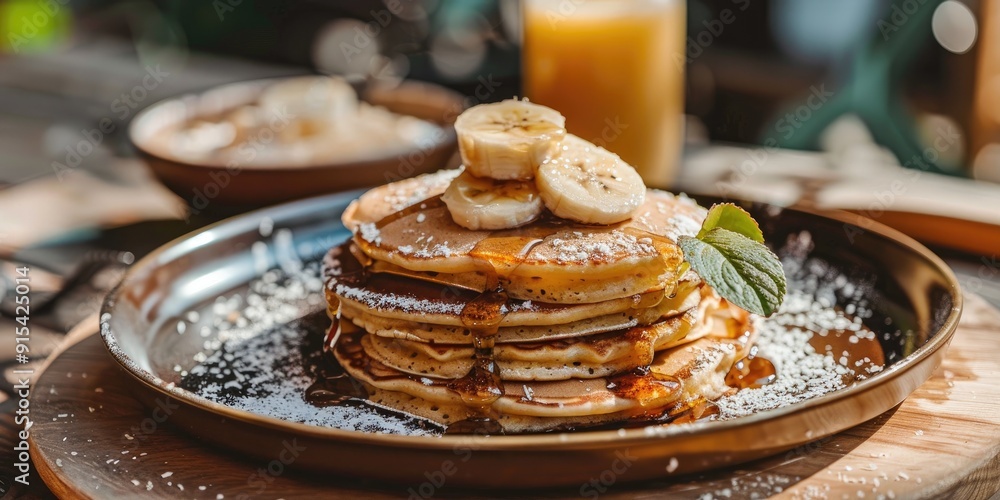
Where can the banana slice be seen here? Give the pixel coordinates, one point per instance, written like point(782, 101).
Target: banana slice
point(589, 184)
point(509, 139)
point(479, 203)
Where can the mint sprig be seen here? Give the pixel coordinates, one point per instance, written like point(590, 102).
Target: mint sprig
point(733, 218)
point(729, 254)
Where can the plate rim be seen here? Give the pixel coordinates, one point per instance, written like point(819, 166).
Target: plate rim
point(536, 442)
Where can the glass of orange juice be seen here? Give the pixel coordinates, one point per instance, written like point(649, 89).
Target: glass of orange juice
point(615, 69)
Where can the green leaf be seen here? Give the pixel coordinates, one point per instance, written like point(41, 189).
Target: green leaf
point(733, 218)
point(741, 270)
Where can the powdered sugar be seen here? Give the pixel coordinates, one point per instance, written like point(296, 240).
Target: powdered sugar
point(408, 304)
point(787, 339)
point(424, 247)
point(583, 247)
point(396, 302)
point(682, 225)
point(406, 193)
point(434, 250)
point(264, 367)
point(802, 372)
point(370, 233)
point(271, 379)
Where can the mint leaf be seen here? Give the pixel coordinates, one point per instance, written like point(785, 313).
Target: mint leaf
point(733, 218)
point(741, 270)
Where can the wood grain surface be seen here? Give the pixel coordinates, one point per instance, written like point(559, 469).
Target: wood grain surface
point(92, 439)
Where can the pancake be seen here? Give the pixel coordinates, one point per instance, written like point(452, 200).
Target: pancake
point(549, 260)
point(375, 322)
point(676, 376)
point(451, 415)
point(383, 201)
point(591, 356)
point(460, 335)
point(400, 298)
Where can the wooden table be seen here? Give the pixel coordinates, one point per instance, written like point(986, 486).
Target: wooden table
point(92, 439)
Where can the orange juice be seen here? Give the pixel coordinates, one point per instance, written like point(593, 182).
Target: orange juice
point(615, 69)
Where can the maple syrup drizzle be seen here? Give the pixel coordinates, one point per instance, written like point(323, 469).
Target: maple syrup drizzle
point(429, 203)
point(333, 385)
point(664, 246)
point(475, 425)
point(482, 386)
point(751, 372)
point(333, 334)
point(644, 385)
point(697, 410)
point(498, 258)
point(854, 352)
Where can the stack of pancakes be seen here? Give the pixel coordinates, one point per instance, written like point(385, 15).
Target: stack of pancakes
point(553, 325)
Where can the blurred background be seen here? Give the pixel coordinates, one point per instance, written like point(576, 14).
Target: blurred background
point(913, 67)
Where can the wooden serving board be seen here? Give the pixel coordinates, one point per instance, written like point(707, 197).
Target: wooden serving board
point(92, 439)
